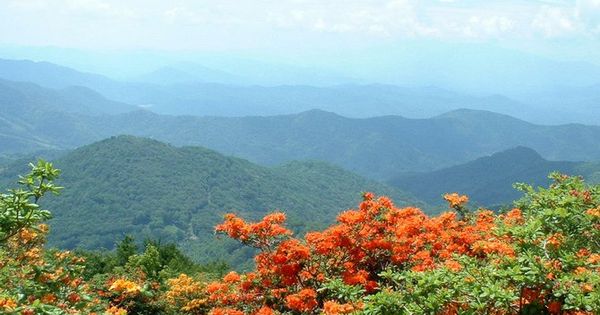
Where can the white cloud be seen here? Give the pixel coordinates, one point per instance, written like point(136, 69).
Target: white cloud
point(555, 21)
point(98, 9)
point(380, 18)
point(582, 18)
point(588, 14)
point(483, 27)
point(230, 22)
point(28, 4)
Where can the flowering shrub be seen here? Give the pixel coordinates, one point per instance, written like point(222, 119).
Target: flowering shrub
point(34, 280)
point(542, 257)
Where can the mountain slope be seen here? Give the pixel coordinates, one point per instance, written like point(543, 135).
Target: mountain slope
point(150, 189)
point(379, 147)
point(50, 75)
point(34, 118)
point(488, 180)
point(17, 97)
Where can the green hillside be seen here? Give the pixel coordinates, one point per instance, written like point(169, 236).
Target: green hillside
point(128, 185)
point(33, 118)
point(489, 180)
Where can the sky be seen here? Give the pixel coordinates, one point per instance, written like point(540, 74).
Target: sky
point(474, 46)
point(292, 26)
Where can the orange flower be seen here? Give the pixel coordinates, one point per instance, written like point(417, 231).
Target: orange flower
point(125, 286)
point(555, 239)
point(7, 304)
point(265, 310)
point(453, 265)
point(48, 298)
point(514, 216)
point(594, 259)
point(530, 295)
point(554, 307)
point(455, 200)
point(580, 270)
point(232, 277)
point(595, 212)
point(114, 310)
point(334, 308)
point(303, 301)
point(225, 311)
point(27, 235)
point(74, 298)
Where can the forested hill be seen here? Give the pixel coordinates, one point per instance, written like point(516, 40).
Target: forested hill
point(128, 185)
point(489, 180)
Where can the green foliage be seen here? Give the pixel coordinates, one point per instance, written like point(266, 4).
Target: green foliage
point(19, 207)
point(125, 249)
point(337, 290)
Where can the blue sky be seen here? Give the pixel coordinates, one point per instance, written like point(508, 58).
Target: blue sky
point(288, 24)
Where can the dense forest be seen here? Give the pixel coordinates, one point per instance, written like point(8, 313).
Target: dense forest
point(144, 188)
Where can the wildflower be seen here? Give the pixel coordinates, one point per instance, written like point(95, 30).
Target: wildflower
point(453, 265)
point(232, 277)
point(125, 286)
point(554, 307)
point(303, 301)
point(455, 200)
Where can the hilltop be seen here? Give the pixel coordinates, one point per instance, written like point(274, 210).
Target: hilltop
point(128, 185)
point(489, 180)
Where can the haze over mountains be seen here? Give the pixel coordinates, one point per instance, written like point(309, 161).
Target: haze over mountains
point(197, 90)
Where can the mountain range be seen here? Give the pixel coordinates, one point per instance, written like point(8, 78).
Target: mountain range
point(379, 147)
point(191, 89)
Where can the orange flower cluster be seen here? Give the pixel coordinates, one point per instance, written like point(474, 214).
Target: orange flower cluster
point(303, 301)
point(54, 280)
point(363, 243)
point(7, 304)
point(378, 233)
point(335, 308)
point(455, 200)
point(124, 286)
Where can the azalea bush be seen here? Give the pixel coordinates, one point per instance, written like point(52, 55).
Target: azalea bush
point(542, 257)
point(35, 280)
